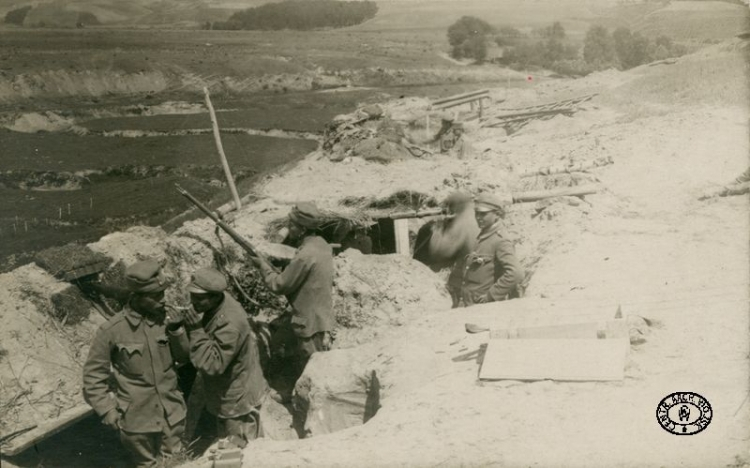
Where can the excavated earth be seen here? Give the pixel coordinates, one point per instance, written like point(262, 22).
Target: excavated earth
point(401, 387)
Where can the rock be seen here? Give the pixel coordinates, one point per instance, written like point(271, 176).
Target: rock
point(337, 390)
point(373, 110)
point(276, 421)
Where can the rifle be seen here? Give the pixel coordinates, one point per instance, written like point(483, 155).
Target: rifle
point(247, 246)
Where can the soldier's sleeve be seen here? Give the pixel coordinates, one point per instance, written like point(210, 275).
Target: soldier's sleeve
point(291, 278)
point(212, 354)
point(96, 372)
point(512, 271)
point(179, 345)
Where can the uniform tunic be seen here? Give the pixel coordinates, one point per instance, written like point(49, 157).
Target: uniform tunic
point(138, 350)
point(225, 352)
point(491, 270)
point(307, 284)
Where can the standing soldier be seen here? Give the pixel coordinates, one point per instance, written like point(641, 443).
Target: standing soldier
point(307, 283)
point(224, 350)
point(148, 409)
point(491, 272)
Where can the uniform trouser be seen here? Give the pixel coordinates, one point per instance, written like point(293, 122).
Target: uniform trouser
point(307, 346)
point(241, 429)
point(145, 448)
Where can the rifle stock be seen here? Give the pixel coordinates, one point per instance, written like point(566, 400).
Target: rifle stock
point(247, 246)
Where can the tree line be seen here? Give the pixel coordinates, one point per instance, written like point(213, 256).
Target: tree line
point(301, 15)
point(550, 47)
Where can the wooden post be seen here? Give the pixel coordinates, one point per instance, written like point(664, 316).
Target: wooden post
point(427, 123)
point(220, 149)
point(401, 230)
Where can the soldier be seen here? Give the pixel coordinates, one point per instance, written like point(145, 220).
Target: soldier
point(224, 351)
point(307, 283)
point(490, 272)
point(148, 409)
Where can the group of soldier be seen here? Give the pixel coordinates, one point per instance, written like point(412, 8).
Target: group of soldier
point(131, 375)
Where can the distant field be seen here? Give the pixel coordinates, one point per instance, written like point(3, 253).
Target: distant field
point(69, 152)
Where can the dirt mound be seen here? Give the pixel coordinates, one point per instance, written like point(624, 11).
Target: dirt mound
point(41, 355)
point(35, 122)
point(376, 292)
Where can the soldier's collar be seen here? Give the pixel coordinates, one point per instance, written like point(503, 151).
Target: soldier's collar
point(491, 230)
point(135, 319)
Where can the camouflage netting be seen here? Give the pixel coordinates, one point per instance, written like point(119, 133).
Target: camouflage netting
point(71, 261)
point(370, 134)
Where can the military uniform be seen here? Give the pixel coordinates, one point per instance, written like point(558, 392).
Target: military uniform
point(225, 353)
point(491, 271)
point(136, 346)
point(152, 408)
point(307, 284)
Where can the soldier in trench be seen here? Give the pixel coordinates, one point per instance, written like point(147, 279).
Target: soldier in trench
point(224, 351)
point(307, 283)
point(490, 272)
point(147, 409)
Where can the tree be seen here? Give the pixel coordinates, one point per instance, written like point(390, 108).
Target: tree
point(631, 49)
point(556, 31)
point(468, 36)
point(508, 36)
point(598, 47)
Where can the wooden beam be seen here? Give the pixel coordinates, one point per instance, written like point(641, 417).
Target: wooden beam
point(459, 102)
point(554, 359)
point(458, 97)
point(577, 191)
point(401, 230)
point(45, 429)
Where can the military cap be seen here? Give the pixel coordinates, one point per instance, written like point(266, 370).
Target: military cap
point(145, 277)
point(206, 281)
point(489, 202)
point(307, 215)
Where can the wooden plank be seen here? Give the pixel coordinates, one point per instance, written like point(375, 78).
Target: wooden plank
point(459, 102)
point(583, 330)
point(556, 359)
point(46, 429)
point(576, 191)
point(401, 230)
point(458, 97)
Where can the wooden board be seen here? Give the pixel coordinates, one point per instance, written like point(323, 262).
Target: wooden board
point(555, 359)
point(46, 429)
point(401, 230)
point(586, 330)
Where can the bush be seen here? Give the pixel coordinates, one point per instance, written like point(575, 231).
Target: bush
point(599, 48)
point(301, 15)
point(508, 36)
point(17, 16)
point(625, 49)
point(549, 49)
point(468, 36)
